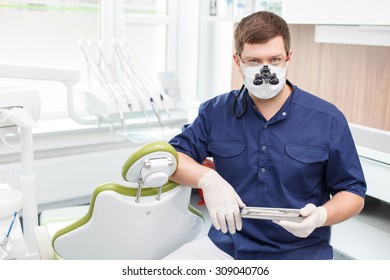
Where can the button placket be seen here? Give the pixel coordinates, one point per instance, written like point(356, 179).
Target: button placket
point(263, 157)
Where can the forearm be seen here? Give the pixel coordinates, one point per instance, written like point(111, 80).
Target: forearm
point(188, 172)
point(343, 206)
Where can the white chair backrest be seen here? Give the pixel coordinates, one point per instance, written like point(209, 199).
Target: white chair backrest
point(121, 228)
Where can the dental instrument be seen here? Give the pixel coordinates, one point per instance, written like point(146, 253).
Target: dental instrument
point(275, 214)
point(6, 238)
point(94, 66)
point(114, 68)
point(131, 82)
point(129, 58)
point(111, 73)
point(130, 53)
point(100, 63)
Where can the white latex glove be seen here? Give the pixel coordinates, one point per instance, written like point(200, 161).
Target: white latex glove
point(222, 202)
point(314, 217)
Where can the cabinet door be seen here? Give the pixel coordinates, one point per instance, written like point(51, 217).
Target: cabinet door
point(355, 12)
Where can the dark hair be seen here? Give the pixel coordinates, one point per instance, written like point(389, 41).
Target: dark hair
point(260, 27)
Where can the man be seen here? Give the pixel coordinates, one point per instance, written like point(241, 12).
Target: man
point(273, 145)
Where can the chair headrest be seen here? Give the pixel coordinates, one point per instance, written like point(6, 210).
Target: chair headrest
point(152, 164)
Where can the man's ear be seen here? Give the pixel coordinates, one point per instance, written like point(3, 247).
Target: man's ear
point(236, 59)
point(289, 55)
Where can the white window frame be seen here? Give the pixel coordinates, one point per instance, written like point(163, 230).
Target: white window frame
point(113, 20)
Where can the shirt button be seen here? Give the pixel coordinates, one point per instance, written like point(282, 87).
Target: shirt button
point(262, 170)
point(265, 126)
point(284, 114)
point(264, 148)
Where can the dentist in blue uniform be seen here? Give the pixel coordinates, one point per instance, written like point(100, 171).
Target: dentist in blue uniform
point(273, 145)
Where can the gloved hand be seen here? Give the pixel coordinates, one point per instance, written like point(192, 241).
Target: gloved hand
point(314, 217)
point(222, 202)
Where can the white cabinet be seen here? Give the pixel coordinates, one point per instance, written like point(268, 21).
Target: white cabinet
point(345, 12)
point(355, 22)
point(367, 236)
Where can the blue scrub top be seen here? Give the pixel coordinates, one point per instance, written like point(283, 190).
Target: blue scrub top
point(304, 154)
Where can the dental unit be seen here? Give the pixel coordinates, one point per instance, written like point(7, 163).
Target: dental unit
point(123, 86)
point(19, 112)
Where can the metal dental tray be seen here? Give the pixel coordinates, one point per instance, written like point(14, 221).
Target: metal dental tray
point(275, 214)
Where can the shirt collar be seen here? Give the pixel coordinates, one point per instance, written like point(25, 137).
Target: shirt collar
point(283, 113)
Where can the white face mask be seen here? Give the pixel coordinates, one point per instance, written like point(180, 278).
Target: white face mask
point(264, 81)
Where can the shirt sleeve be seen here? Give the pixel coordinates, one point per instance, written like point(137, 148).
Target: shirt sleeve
point(343, 170)
point(193, 140)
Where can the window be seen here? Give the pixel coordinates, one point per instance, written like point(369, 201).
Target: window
point(47, 33)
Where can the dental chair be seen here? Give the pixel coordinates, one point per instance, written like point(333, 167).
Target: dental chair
point(145, 222)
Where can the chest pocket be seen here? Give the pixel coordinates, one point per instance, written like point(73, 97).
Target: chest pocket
point(304, 166)
point(229, 157)
point(306, 154)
